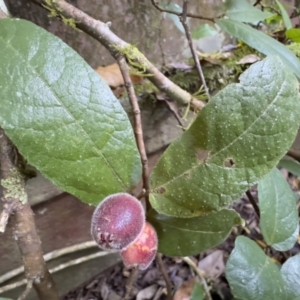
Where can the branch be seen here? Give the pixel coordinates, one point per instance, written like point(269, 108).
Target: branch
point(24, 231)
point(116, 46)
point(191, 15)
point(165, 275)
point(253, 202)
point(138, 130)
point(192, 47)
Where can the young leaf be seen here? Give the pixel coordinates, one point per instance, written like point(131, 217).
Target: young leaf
point(290, 272)
point(198, 292)
point(261, 42)
point(62, 116)
point(293, 34)
point(237, 138)
point(285, 17)
point(278, 211)
point(251, 274)
point(291, 165)
point(182, 237)
point(202, 31)
point(243, 11)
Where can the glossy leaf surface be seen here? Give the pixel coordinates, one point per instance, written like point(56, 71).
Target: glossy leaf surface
point(251, 274)
point(290, 272)
point(261, 42)
point(182, 237)
point(278, 211)
point(62, 116)
point(237, 138)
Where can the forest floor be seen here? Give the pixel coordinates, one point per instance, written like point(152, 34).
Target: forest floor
point(111, 284)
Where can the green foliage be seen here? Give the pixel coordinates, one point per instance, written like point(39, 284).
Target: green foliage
point(243, 11)
point(278, 211)
point(291, 165)
point(290, 272)
point(62, 116)
point(182, 237)
point(198, 292)
point(202, 31)
point(293, 34)
point(237, 138)
point(261, 42)
point(252, 275)
point(285, 17)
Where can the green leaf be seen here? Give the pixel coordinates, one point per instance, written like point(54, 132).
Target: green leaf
point(198, 292)
point(243, 11)
point(62, 116)
point(202, 31)
point(290, 272)
point(293, 34)
point(183, 237)
point(261, 42)
point(278, 211)
point(5, 298)
point(251, 274)
point(291, 165)
point(286, 19)
point(237, 138)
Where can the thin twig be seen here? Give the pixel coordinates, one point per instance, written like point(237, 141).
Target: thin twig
point(165, 275)
point(198, 272)
point(60, 267)
point(295, 154)
point(129, 283)
point(116, 46)
point(191, 15)
point(192, 47)
point(253, 202)
point(138, 130)
point(49, 256)
point(26, 291)
point(24, 231)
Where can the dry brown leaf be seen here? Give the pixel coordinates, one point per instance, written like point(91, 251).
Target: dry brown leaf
point(212, 264)
point(185, 290)
point(248, 59)
point(113, 77)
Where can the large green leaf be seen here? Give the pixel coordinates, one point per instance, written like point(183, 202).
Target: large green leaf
point(251, 274)
point(278, 211)
point(290, 272)
point(198, 292)
point(237, 138)
point(182, 237)
point(243, 11)
point(62, 116)
point(261, 42)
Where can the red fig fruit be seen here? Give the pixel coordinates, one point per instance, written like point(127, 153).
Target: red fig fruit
point(117, 221)
point(142, 252)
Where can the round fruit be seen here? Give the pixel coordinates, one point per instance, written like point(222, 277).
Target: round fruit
point(142, 252)
point(117, 221)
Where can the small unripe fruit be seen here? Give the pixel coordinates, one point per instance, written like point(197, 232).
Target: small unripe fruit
point(142, 252)
point(117, 221)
